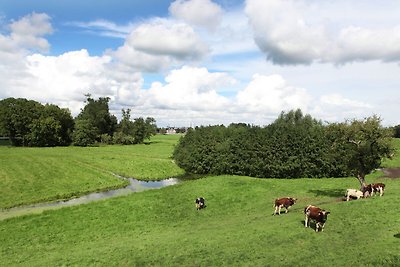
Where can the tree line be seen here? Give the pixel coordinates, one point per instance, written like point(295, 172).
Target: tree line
point(293, 146)
point(30, 123)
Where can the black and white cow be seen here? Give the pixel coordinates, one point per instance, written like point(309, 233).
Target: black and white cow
point(200, 203)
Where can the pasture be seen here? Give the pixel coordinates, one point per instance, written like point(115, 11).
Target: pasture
point(163, 228)
point(32, 175)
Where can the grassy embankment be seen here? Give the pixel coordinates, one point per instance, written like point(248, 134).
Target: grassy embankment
point(31, 175)
point(162, 227)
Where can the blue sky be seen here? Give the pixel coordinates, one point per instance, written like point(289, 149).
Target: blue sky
point(200, 62)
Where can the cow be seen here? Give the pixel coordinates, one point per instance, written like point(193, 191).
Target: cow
point(370, 189)
point(286, 202)
point(353, 193)
point(200, 203)
point(316, 214)
point(379, 187)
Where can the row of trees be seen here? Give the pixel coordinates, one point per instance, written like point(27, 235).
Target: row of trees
point(293, 146)
point(29, 123)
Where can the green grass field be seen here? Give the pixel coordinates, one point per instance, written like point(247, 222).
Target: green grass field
point(163, 228)
point(31, 175)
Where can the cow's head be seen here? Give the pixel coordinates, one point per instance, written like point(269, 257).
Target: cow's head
point(323, 215)
point(293, 200)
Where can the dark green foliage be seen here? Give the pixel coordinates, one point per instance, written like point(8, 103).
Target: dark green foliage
point(29, 123)
point(134, 132)
point(85, 133)
point(396, 131)
point(293, 146)
point(361, 145)
point(98, 120)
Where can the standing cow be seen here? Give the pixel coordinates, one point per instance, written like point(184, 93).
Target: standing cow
point(370, 189)
point(379, 187)
point(319, 216)
point(286, 202)
point(200, 203)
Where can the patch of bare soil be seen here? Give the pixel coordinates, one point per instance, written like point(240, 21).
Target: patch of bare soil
point(391, 173)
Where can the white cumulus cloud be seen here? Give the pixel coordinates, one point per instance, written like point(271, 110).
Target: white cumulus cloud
point(203, 13)
point(294, 32)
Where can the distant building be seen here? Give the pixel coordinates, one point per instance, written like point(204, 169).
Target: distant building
point(170, 131)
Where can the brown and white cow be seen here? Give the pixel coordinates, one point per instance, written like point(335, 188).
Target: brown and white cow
point(370, 189)
point(286, 202)
point(379, 187)
point(319, 216)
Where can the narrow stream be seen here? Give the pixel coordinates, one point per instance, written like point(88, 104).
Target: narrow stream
point(134, 186)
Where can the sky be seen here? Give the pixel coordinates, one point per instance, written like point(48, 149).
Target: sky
point(206, 62)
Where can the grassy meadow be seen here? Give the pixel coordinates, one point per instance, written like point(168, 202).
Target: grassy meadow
point(163, 228)
point(31, 175)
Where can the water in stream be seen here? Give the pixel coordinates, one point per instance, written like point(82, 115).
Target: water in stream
point(134, 186)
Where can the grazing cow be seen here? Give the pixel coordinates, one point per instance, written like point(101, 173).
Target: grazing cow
point(370, 189)
point(200, 203)
point(316, 214)
point(353, 193)
point(286, 202)
point(379, 187)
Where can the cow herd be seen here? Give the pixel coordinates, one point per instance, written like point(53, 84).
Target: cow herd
point(320, 216)
point(314, 213)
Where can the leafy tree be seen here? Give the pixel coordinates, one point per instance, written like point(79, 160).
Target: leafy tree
point(151, 127)
point(16, 116)
point(85, 133)
point(28, 122)
point(362, 144)
point(64, 118)
point(97, 116)
point(126, 125)
point(396, 131)
point(45, 131)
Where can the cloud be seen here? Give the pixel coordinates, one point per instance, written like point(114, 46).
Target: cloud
point(190, 88)
point(287, 33)
point(104, 28)
point(203, 13)
point(187, 94)
point(271, 94)
point(163, 38)
point(28, 31)
point(159, 44)
point(335, 107)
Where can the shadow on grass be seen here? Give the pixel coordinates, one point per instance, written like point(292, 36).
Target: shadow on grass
point(337, 192)
point(397, 235)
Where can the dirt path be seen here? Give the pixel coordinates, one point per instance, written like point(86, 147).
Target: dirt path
point(391, 173)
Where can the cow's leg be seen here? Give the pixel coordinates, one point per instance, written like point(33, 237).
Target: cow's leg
point(347, 198)
point(276, 209)
point(287, 209)
point(306, 221)
point(279, 209)
point(381, 191)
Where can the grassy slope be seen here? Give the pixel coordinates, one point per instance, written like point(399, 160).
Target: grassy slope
point(29, 175)
point(163, 228)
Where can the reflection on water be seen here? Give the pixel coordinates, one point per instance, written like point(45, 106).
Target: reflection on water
point(134, 186)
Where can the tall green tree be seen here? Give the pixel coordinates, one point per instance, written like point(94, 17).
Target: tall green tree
point(29, 123)
point(97, 117)
point(362, 145)
point(16, 116)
